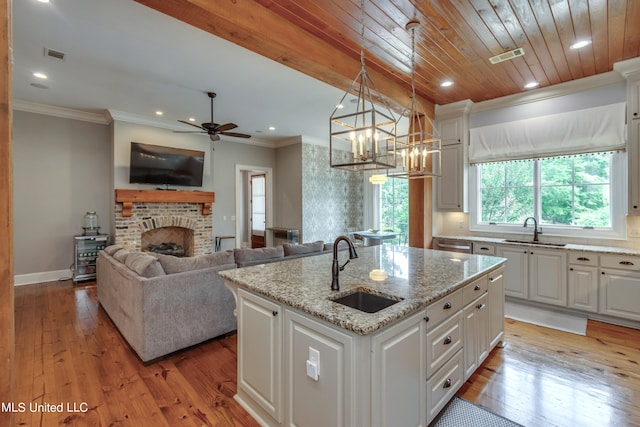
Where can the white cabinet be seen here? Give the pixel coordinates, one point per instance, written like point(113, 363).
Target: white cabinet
point(476, 334)
point(481, 248)
point(620, 286)
point(327, 400)
point(583, 281)
point(450, 192)
point(516, 270)
point(633, 101)
point(633, 148)
point(535, 274)
point(452, 187)
point(260, 352)
point(398, 353)
point(548, 276)
point(495, 302)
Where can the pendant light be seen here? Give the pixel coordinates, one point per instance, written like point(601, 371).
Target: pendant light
point(419, 150)
point(362, 135)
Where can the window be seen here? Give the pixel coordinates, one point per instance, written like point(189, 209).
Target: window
point(565, 194)
point(394, 207)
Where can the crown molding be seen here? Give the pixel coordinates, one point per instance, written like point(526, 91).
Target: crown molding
point(455, 109)
point(66, 113)
point(630, 68)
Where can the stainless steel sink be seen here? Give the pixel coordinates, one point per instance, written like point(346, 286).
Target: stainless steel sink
point(531, 242)
point(366, 300)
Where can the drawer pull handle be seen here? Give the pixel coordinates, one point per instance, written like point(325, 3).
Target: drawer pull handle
point(447, 305)
point(625, 263)
point(476, 288)
point(447, 340)
point(480, 306)
point(484, 248)
point(447, 383)
point(583, 258)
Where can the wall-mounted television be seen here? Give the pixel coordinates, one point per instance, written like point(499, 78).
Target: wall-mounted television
point(155, 164)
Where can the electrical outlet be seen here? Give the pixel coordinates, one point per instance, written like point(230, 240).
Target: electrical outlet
point(634, 232)
point(313, 364)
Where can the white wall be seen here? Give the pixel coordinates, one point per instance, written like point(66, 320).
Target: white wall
point(61, 170)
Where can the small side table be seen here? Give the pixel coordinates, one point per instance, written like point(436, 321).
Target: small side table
point(219, 241)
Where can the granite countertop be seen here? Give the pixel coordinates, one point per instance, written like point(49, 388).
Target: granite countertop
point(569, 246)
point(418, 276)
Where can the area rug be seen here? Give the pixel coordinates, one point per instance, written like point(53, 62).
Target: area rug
point(460, 413)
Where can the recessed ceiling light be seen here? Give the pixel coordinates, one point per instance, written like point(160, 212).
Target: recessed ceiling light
point(339, 106)
point(191, 119)
point(446, 83)
point(272, 128)
point(43, 1)
point(580, 44)
point(159, 113)
point(531, 85)
point(40, 75)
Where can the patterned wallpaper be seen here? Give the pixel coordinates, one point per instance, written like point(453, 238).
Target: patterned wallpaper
point(331, 198)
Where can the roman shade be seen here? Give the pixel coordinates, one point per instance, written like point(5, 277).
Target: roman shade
point(589, 130)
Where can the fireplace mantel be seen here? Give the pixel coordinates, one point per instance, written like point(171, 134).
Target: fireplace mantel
point(129, 197)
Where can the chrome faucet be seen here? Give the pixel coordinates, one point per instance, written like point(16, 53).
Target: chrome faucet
point(535, 228)
point(337, 268)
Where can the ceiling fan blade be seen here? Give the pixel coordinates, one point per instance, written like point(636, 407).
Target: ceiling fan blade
point(236, 135)
point(214, 137)
point(189, 131)
point(225, 127)
point(190, 124)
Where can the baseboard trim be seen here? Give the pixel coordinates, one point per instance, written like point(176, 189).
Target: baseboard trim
point(546, 316)
point(45, 276)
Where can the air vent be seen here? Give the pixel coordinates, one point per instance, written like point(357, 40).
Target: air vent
point(507, 56)
point(55, 54)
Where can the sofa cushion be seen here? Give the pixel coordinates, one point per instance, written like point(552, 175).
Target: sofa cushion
point(121, 255)
point(248, 255)
point(172, 264)
point(305, 248)
point(110, 250)
point(144, 264)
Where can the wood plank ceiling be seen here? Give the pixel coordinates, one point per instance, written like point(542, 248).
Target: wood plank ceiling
point(454, 41)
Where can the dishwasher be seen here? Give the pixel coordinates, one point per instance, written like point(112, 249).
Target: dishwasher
point(452, 245)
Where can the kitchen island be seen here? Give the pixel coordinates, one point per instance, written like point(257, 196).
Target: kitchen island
point(304, 359)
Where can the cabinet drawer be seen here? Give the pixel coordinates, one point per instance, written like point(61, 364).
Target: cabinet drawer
point(474, 289)
point(620, 262)
point(443, 308)
point(443, 342)
point(443, 385)
point(583, 258)
point(484, 249)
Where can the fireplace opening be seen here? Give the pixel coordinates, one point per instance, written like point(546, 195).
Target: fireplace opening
point(169, 248)
point(177, 241)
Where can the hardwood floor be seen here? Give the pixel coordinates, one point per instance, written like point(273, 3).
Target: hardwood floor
point(69, 352)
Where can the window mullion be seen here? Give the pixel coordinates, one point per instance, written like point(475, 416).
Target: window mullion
point(537, 190)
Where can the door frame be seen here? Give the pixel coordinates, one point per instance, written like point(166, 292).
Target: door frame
point(240, 196)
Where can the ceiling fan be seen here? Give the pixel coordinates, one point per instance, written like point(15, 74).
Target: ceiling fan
point(214, 130)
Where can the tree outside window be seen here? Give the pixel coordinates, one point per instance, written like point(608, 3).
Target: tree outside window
point(568, 191)
point(394, 207)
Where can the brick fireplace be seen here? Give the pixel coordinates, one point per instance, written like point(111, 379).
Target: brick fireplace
point(144, 217)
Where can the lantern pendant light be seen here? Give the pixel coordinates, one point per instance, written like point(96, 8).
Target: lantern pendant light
point(419, 150)
point(362, 135)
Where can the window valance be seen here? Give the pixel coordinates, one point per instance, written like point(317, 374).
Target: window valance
point(576, 132)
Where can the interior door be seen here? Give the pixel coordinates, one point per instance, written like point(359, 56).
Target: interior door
point(258, 210)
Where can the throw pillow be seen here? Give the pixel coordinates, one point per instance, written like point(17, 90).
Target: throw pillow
point(121, 255)
point(110, 250)
point(258, 254)
point(305, 248)
point(172, 264)
point(144, 264)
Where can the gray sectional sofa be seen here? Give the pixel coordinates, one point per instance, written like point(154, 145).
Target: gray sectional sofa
point(161, 304)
